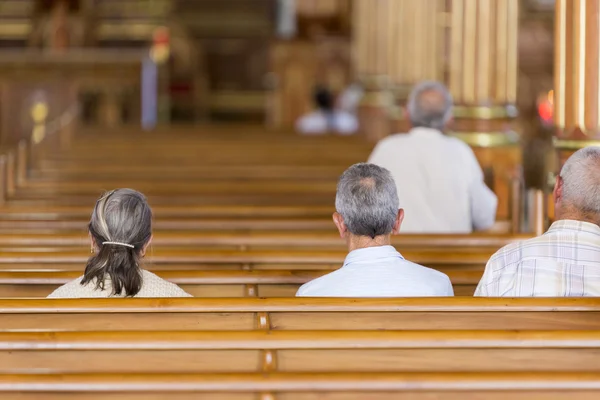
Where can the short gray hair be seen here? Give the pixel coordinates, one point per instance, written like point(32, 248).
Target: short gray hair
point(581, 180)
point(367, 200)
point(430, 105)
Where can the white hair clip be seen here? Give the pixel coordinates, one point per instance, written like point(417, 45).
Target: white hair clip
point(120, 244)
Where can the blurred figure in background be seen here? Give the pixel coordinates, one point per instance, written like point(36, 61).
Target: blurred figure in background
point(327, 118)
point(366, 216)
point(440, 183)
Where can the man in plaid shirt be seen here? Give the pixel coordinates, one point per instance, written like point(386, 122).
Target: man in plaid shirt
point(564, 261)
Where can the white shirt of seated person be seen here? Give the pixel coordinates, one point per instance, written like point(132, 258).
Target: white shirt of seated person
point(319, 122)
point(439, 180)
point(373, 268)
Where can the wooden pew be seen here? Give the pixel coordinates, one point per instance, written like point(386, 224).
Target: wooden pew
point(217, 283)
point(298, 351)
point(258, 239)
point(300, 314)
point(305, 386)
point(75, 259)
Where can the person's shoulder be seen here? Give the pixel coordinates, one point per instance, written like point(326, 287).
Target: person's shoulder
point(513, 253)
point(429, 272)
point(317, 287)
point(346, 122)
point(394, 139)
point(155, 286)
point(70, 289)
point(458, 144)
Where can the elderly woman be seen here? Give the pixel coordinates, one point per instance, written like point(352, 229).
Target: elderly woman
point(120, 232)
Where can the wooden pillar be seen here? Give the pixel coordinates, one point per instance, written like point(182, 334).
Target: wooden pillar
point(483, 81)
point(416, 48)
point(371, 59)
point(576, 76)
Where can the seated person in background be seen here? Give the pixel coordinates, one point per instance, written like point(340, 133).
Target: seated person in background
point(326, 118)
point(565, 261)
point(367, 215)
point(350, 98)
point(121, 231)
point(440, 182)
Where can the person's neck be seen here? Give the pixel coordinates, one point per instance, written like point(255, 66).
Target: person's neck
point(572, 213)
point(363, 242)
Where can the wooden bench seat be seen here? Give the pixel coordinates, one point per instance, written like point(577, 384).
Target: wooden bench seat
point(300, 314)
point(307, 386)
point(216, 283)
point(299, 351)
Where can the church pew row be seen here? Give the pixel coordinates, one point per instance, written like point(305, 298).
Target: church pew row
point(299, 351)
point(190, 172)
point(22, 212)
point(260, 239)
point(182, 224)
point(218, 283)
point(305, 386)
point(76, 258)
point(459, 313)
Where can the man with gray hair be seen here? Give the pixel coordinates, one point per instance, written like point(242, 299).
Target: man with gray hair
point(565, 261)
point(439, 180)
point(366, 215)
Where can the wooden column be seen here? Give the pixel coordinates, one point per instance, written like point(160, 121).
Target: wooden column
point(371, 61)
point(416, 49)
point(482, 77)
point(576, 75)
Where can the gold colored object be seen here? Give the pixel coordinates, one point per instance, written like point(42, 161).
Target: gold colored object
point(560, 62)
point(487, 139)
point(579, 20)
point(562, 144)
point(381, 98)
point(15, 30)
point(39, 112)
point(38, 134)
point(371, 82)
point(160, 54)
point(497, 112)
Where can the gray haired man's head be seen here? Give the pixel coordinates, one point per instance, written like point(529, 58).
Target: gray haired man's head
point(367, 200)
point(430, 106)
point(580, 180)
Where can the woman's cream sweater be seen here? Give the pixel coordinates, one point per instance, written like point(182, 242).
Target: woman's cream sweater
point(152, 286)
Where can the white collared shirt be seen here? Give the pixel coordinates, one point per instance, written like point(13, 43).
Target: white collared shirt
point(379, 272)
point(318, 122)
point(439, 181)
point(563, 262)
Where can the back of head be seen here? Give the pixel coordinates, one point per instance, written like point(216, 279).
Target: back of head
point(430, 106)
point(121, 227)
point(367, 200)
point(581, 183)
point(323, 99)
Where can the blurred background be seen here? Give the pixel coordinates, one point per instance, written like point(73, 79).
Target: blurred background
point(260, 63)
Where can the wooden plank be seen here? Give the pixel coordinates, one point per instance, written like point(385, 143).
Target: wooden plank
point(305, 351)
point(301, 314)
point(298, 386)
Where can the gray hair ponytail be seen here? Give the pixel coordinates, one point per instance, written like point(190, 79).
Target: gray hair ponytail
point(121, 226)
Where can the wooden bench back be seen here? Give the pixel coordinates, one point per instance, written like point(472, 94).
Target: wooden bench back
point(299, 351)
point(305, 386)
point(301, 314)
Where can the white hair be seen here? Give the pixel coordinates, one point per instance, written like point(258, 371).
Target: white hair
point(581, 180)
point(367, 200)
point(425, 110)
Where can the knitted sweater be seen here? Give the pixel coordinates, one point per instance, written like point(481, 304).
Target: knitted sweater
point(152, 286)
